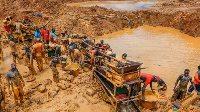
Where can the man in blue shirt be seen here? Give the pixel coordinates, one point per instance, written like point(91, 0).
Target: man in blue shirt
point(37, 33)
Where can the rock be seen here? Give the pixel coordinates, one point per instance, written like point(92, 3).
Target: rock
point(52, 94)
point(25, 74)
point(35, 84)
point(70, 78)
point(42, 88)
point(27, 103)
point(30, 78)
point(46, 82)
point(62, 86)
point(57, 89)
point(90, 91)
point(64, 77)
point(29, 91)
point(67, 85)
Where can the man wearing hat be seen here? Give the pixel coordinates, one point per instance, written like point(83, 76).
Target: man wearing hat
point(181, 89)
point(15, 80)
point(26, 21)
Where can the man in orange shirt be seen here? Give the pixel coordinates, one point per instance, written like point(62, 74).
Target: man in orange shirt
point(196, 82)
point(148, 79)
point(38, 53)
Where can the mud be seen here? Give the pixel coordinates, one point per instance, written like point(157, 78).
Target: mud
point(185, 20)
point(72, 93)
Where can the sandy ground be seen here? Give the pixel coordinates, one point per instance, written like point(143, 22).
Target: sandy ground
point(75, 93)
point(170, 15)
point(183, 15)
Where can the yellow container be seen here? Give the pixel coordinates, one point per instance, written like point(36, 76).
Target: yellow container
point(150, 100)
point(75, 67)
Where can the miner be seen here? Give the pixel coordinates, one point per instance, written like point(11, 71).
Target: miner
point(13, 50)
point(181, 89)
point(148, 79)
point(29, 60)
point(2, 99)
point(38, 54)
point(75, 55)
point(16, 82)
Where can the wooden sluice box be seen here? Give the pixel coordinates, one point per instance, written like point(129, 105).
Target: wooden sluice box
point(120, 84)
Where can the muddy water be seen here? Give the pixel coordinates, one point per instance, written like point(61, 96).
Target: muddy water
point(163, 51)
point(119, 5)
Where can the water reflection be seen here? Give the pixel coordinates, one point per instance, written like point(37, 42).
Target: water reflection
point(119, 5)
point(164, 51)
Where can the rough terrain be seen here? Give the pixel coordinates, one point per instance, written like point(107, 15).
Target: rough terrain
point(183, 16)
point(73, 93)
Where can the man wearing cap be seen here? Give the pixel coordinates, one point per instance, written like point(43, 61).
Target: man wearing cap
point(29, 60)
point(26, 21)
point(38, 53)
point(196, 82)
point(181, 89)
point(148, 79)
point(15, 80)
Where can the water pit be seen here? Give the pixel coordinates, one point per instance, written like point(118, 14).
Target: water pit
point(119, 5)
point(163, 51)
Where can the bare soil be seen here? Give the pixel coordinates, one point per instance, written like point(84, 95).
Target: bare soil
point(72, 93)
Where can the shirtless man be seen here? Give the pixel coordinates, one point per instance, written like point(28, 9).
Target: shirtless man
point(13, 50)
point(38, 54)
point(53, 63)
point(29, 60)
point(181, 89)
point(75, 55)
point(15, 80)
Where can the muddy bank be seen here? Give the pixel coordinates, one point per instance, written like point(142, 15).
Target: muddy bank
point(185, 20)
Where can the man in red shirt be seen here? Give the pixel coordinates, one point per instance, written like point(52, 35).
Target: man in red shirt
point(148, 79)
point(45, 35)
point(7, 27)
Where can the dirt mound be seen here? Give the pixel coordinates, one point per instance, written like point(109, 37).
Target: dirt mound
point(185, 20)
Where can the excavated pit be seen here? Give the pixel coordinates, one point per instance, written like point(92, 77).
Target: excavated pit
point(42, 96)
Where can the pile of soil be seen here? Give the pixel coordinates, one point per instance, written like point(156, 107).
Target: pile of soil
point(72, 93)
point(185, 20)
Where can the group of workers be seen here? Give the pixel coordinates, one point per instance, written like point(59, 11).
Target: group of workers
point(45, 41)
point(180, 91)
